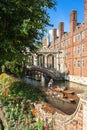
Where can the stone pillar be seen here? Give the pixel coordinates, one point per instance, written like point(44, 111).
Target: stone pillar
point(42, 80)
point(73, 21)
point(45, 62)
point(35, 60)
point(56, 61)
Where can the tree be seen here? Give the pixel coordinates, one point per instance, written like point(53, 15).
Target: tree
point(22, 23)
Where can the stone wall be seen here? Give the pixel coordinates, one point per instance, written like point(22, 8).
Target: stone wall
point(76, 79)
point(61, 121)
point(76, 121)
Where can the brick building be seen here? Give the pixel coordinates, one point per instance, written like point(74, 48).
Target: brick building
point(73, 45)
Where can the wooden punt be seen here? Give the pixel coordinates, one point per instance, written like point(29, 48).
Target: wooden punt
point(68, 92)
point(68, 99)
point(55, 90)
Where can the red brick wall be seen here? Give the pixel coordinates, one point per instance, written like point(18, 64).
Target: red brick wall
point(75, 29)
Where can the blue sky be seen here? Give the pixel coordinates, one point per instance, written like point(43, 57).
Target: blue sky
point(62, 13)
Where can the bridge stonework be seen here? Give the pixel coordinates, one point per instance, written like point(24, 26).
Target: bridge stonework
point(50, 72)
point(76, 121)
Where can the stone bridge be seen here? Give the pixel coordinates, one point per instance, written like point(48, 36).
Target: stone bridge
point(75, 121)
point(50, 72)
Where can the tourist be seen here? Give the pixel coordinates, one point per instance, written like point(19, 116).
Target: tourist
point(49, 85)
point(51, 80)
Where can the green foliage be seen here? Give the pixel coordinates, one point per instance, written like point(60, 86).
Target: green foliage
point(21, 89)
point(15, 67)
point(16, 88)
point(40, 124)
point(22, 24)
point(17, 104)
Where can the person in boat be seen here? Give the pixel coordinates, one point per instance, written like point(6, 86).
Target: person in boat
point(50, 83)
point(51, 80)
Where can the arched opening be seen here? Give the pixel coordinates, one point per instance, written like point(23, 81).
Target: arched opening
point(50, 61)
point(40, 60)
point(30, 60)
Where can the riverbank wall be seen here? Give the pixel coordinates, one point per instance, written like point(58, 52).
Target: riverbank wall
point(76, 79)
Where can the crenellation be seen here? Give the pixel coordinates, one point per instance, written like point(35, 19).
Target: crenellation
point(78, 29)
point(65, 36)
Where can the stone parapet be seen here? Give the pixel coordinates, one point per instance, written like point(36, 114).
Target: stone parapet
point(61, 121)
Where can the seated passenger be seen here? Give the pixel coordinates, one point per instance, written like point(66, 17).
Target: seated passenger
point(49, 85)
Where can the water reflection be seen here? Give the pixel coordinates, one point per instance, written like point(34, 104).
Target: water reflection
point(32, 81)
point(67, 108)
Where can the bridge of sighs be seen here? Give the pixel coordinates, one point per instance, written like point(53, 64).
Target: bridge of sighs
point(49, 62)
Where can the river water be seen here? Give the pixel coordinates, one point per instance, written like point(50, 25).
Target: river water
point(65, 107)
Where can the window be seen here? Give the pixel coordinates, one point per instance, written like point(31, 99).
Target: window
point(79, 49)
point(74, 64)
point(62, 44)
point(83, 35)
point(78, 64)
point(67, 52)
point(78, 37)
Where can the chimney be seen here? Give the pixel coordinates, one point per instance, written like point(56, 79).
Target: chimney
point(73, 20)
point(54, 34)
point(85, 12)
point(61, 29)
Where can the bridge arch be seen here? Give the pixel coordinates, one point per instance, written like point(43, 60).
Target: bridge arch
point(42, 70)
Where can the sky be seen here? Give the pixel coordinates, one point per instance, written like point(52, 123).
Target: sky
point(62, 13)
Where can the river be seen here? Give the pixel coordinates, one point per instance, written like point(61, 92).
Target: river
point(65, 107)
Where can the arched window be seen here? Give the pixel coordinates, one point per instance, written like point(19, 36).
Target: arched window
point(50, 61)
